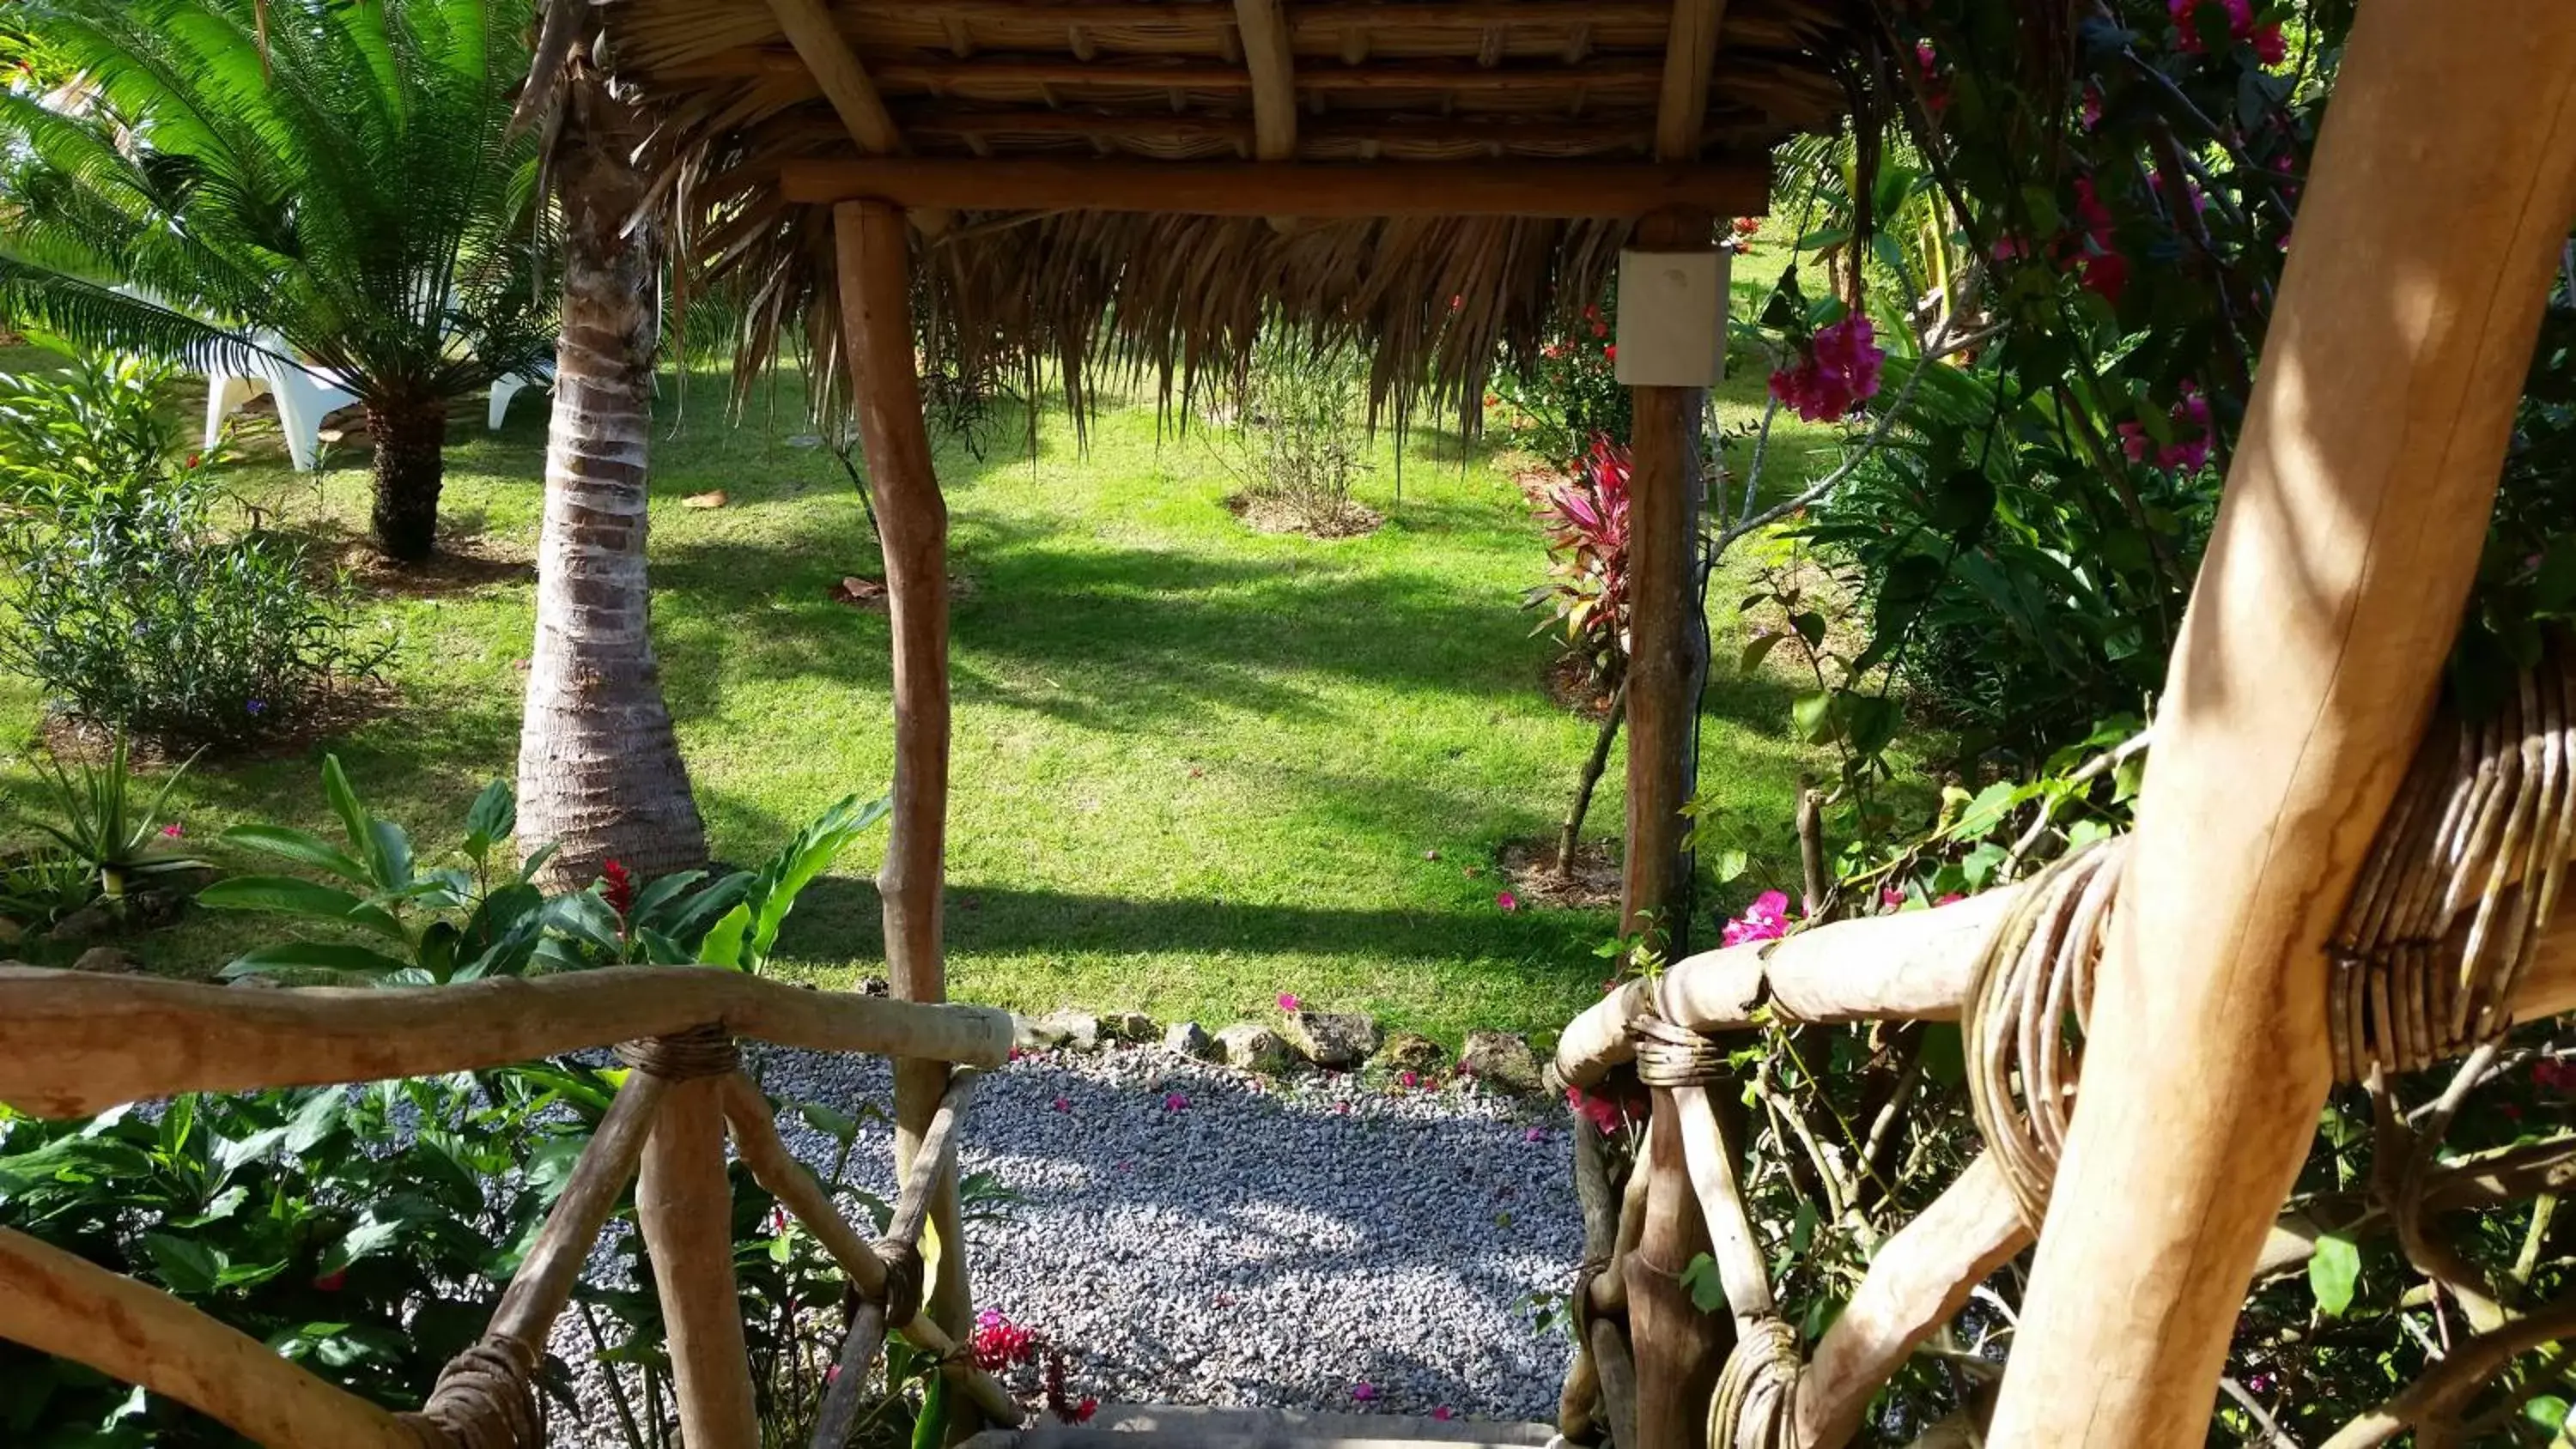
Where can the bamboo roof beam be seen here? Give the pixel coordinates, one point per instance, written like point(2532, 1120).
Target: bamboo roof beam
point(1690, 57)
point(835, 67)
point(1273, 74)
point(73, 1043)
point(1275, 188)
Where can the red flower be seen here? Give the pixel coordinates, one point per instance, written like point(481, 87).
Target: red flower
point(2553, 1075)
point(616, 887)
point(1836, 372)
point(332, 1282)
point(1610, 353)
point(1600, 329)
point(999, 1343)
point(195, 458)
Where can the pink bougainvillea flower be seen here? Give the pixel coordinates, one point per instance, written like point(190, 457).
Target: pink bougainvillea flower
point(1535, 1134)
point(2188, 423)
point(1341, 1109)
point(1952, 896)
point(1892, 898)
point(1767, 919)
point(1606, 1114)
point(1836, 371)
point(1444, 1413)
point(1927, 71)
point(2091, 112)
point(172, 831)
point(1407, 1080)
point(1175, 1102)
point(1064, 1104)
point(1364, 1391)
point(1289, 1003)
point(1508, 901)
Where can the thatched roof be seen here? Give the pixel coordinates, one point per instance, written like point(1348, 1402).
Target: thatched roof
point(1558, 120)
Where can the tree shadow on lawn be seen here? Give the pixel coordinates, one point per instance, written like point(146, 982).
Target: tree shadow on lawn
point(1109, 637)
point(838, 919)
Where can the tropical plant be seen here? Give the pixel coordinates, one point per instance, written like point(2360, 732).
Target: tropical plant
point(285, 181)
point(1585, 518)
point(114, 842)
point(745, 935)
point(1298, 442)
point(94, 434)
point(364, 1233)
point(600, 772)
point(417, 927)
point(1570, 395)
point(136, 614)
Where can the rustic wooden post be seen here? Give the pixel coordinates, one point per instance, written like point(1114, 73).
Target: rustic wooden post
point(874, 256)
point(1678, 1349)
point(2443, 185)
point(1667, 640)
point(685, 1206)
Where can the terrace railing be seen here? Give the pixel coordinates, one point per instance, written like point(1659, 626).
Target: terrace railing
point(74, 1044)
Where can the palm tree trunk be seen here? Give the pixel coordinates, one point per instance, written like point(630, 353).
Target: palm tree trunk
point(409, 433)
point(600, 773)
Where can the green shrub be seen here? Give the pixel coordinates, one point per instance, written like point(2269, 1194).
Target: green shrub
point(1570, 395)
point(97, 433)
point(136, 614)
point(101, 840)
point(1300, 443)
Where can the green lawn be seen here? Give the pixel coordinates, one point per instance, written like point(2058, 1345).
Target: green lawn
point(1194, 767)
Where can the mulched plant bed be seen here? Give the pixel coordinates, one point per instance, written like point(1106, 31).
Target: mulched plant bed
point(1264, 514)
point(1568, 684)
point(1528, 869)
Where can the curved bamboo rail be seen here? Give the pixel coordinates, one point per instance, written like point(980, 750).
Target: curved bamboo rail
point(73, 1043)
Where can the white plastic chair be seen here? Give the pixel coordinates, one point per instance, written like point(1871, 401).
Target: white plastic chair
point(305, 396)
point(506, 388)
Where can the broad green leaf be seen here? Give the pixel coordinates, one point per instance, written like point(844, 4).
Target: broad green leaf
point(299, 846)
point(344, 803)
point(1812, 714)
point(723, 944)
point(389, 851)
point(1707, 1290)
point(837, 1125)
point(186, 1266)
point(316, 1120)
point(1755, 649)
point(315, 956)
point(492, 816)
point(2333, 1272)
point(290, 896)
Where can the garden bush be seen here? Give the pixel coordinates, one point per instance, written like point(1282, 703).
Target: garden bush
point(130, 607)
point(1299, 443)
point(1570, 395)
point(139, 615)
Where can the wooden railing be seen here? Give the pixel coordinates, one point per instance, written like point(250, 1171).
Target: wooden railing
point(1913, 966)
point(73, 1044)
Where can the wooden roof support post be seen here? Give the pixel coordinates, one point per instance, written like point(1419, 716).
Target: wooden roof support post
point(1668, 642)
point(684, 1204)
point(1677, 1349)
point(874, 262)
point(2444, 182)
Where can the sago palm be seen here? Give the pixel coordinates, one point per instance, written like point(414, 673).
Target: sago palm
point(338, 174)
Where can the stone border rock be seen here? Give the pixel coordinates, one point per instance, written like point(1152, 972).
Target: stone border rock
point(1304, 1039)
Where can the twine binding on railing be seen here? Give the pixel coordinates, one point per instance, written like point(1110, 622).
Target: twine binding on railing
point(2482, 826)
point(701, 1051)
point(486, 1398)
point(1756, 1403)
point(904, 1277)
point(1675, 1056)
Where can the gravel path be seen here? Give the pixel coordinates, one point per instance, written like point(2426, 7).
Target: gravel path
point(1188, 1235)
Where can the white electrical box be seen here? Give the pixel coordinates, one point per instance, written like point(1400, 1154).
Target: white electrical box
point(1672, 318)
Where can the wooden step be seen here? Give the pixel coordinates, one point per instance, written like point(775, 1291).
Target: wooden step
point(1127, 1426)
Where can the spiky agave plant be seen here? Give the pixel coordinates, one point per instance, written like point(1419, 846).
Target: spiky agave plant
point(338, 174)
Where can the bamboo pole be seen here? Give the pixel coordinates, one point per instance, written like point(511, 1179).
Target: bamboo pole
point(1668, 640)
point(755, 1136)
point(1917, 1280)
point(873, 253)
point(2444, 182)
point(75, 1043)
point(1677, 1349)
point(56, 1303)
point(685, 1206)
point(543, 1284)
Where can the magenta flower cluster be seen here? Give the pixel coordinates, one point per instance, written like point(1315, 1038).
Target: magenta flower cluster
point(998, 1343)
point(1836, 371)
point(1767, 919)
point(2189, 424)
point(2270, 47)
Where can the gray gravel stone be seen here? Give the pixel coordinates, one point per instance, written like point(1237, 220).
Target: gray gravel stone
point(1186, 1234)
